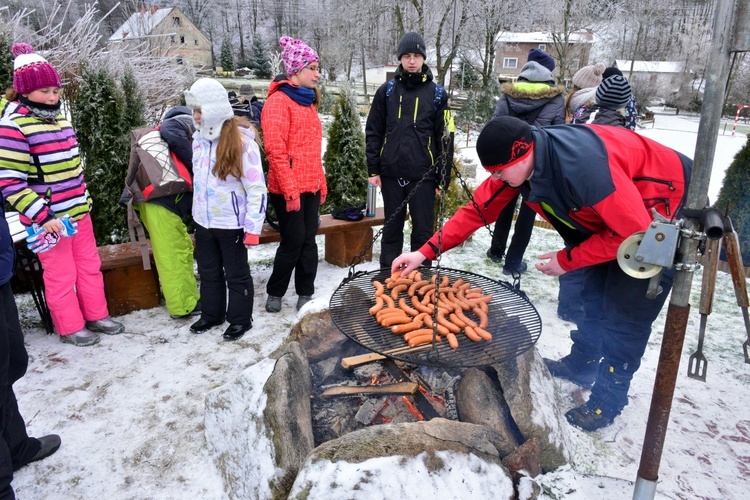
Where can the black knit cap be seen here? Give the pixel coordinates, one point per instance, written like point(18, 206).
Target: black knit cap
point(613, 93)
point(411, 43)
point(611, 71)
point(503, 142)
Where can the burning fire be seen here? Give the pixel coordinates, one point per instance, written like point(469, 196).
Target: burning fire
point(412, 409)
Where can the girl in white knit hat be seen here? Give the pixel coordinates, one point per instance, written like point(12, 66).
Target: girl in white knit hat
point(229, 207)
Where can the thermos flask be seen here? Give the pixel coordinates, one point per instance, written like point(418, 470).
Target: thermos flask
point(372, 200)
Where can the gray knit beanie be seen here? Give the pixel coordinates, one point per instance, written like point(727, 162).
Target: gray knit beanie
point(588, 76)
point(613, 93)
point(532, 71)
point(411, 43)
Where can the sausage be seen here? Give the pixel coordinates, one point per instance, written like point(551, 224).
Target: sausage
point(398, 289)
point(408, 309)
point(482, 317)
point(483, 333)
point(419, 333)
point(412, 274)
point(425, 289)
point(407, 327)
point(395, 320)
point(442, 330)
point(422, 339)
point(470, 322)
point(452, 341)
point(457, 284)
point(389, 301)
point(415, 286)
point(379, 288)
point(449, 325)
point(389, 312)
point(419, 306)
point(378, 305)
point(473, 336)
point(456, 321)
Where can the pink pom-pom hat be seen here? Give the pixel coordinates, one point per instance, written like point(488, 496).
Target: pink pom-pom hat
point(296, 54)
point(31, 71)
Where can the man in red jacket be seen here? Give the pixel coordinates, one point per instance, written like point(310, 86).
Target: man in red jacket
point(596, 185)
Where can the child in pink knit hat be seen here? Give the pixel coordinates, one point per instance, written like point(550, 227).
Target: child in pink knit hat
point(296, 54)
point(42, 178)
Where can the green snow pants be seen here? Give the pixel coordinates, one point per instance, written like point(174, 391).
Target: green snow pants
point(173, 253)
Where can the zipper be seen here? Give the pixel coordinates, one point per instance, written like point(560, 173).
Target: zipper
point(383, 146)
point(416, 109)
point(429, 150)
point(291, 161)
point(208, 173)
point(657, 201)
point(236, 207)
point(400, 100)
point(495, 195)
point(658, 181)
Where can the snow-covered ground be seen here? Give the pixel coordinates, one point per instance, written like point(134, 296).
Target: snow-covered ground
point(130, 410)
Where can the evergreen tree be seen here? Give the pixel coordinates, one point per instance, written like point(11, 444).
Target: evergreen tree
point(6, 60)
point(486, 101)
point(734, 196)
point(226, 58)
point(103, 137)
point(135, 104)
point(260, 63)
point(344, 159)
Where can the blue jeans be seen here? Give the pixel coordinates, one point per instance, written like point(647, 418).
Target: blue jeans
point(616, 327)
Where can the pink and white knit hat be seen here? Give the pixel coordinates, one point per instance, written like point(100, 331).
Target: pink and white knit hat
point(31, 71)
point(296, 54)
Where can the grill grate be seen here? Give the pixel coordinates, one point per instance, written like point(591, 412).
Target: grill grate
point(514, 323)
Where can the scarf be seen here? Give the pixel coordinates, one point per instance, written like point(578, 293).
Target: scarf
point(45, 111)
point(301, 95)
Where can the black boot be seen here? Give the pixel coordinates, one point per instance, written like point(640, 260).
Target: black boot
point(590, 418)
point(582, 373)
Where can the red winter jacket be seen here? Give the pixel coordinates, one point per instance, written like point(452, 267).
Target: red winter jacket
point(292, 138)
point(595, 184)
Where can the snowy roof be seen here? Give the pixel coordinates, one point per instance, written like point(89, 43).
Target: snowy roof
point(140, 24)
point(650, 66)
point(541, 37)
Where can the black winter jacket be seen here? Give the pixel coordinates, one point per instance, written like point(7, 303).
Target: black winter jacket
point(404, 132)
point(599, 115)
point(545, 107)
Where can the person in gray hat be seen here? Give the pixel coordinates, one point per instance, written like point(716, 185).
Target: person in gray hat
point(409, 126)
point(535, 99)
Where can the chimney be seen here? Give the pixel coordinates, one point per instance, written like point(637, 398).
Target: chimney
point(153, 9)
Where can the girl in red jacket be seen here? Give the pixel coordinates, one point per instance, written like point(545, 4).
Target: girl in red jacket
point(292, 134)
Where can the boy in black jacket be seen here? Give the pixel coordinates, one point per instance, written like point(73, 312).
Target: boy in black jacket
point(408, 120)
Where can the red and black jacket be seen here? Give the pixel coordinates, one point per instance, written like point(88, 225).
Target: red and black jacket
point(595, 184)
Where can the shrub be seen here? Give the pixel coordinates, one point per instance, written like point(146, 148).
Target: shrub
point(734, 197)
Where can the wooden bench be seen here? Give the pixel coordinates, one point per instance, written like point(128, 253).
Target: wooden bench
point(129, 287)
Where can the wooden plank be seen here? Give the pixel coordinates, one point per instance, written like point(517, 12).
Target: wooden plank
point(399, 388)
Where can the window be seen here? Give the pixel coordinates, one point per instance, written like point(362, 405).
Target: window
point(179, 59)
point(172, 38)
point(542, 47)
point(182, 38)
point(510, 62)
point(575, 64)
point(196, 42)
point(176, 21)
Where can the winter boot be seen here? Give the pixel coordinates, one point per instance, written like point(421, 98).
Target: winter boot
point(106, 325)
point(591, 417)
point(273, 304)
point(302, 300)
point(580, 372)
point(82, 338)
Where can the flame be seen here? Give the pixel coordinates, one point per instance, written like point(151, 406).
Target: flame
point(412, 409)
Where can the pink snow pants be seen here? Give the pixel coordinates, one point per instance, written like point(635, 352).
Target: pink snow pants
point(73, 282)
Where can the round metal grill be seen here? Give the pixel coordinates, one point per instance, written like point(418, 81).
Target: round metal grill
point(514, 323)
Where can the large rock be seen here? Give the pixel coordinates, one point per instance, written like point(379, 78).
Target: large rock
point(479, 402)
point(287, 414)
point(425, 456)
point(530, 394)
point(237, 439)
point(320, 337)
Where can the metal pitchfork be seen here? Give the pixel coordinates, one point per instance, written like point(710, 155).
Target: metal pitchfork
point(697, 363)
point(732, 247)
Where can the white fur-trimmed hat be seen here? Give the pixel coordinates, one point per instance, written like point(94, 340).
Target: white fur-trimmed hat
point(211, 98)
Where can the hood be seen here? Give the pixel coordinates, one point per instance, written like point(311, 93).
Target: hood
point(177, 111)
point(582, 98)
point(532, 71)
point(412, 80)
point(211, 98)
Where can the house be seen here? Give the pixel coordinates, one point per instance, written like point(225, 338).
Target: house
point(662, 79)
point(511, 50)
point(166, 32)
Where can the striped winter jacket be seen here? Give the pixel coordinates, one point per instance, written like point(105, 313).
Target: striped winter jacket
point(40, 170)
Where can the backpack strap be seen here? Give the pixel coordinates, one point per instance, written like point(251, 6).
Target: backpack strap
point(138, 235)
point(439, 91)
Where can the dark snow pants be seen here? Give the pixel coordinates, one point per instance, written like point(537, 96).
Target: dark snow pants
point(616, 328)
point(421, 212)
point(521, 232)
point(16, 447)
point(222, 265)
point(298, 251)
